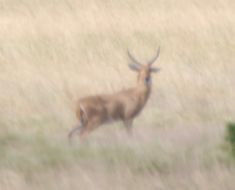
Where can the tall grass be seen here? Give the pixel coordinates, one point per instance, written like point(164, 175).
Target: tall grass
point(54, 52)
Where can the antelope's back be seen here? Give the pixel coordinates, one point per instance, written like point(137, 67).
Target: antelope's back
point(93, 108)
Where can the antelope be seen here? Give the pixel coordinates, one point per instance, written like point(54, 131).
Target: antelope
point(125, 105)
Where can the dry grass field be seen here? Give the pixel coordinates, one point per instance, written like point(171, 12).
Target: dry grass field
point(53, 52)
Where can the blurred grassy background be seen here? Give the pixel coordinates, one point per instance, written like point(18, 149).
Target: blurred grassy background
point(53, 52)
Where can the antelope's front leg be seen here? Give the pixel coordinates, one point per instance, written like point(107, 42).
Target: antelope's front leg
point(128, 125)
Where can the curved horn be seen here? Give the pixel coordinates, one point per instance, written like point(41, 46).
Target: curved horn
point(154, 58)
point(132, 58)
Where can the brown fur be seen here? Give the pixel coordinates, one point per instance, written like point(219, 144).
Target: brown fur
point(93, 111)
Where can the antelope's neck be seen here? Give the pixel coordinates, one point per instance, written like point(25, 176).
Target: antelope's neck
point(143, 92)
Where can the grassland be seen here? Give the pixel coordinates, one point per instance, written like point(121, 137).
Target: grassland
point(53, 52)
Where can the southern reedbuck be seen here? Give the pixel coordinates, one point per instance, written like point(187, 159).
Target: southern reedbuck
point(125, 105)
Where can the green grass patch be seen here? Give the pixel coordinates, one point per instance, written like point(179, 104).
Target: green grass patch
point(230, 137)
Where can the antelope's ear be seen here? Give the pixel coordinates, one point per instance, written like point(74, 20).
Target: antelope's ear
point(155, 70)
point(134, 67)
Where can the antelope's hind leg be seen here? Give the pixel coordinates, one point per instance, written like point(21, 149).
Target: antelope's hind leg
point(75, 130)
point(90, 126)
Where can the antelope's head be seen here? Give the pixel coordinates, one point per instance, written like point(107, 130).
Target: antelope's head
point(144, 70)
